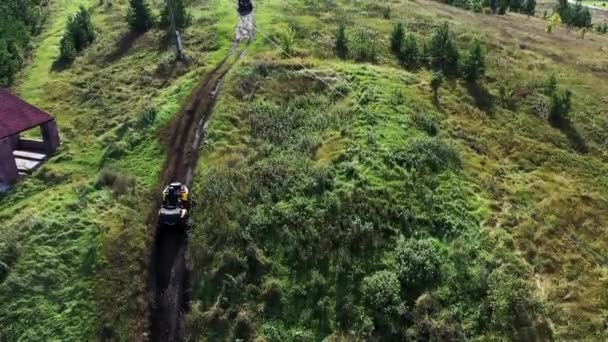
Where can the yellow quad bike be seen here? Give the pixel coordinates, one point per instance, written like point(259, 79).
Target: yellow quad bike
point(175, 209)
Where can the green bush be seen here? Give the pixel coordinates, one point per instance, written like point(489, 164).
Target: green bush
point(139, 16)
point(364, 45)
point(287, 38)
point(78, 34)
point(474, 64)
point(419, 263)
point(559, 109)
point(409, 53)
point(381, 292)
point(67, 50)
point(341, 41)
point(426, 121)
point(442, 52)
point(509, 296)
point(119, 183)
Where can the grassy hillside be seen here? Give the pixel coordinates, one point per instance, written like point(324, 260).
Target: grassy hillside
point(74, 237)
point(383, 213)
point(349, 205)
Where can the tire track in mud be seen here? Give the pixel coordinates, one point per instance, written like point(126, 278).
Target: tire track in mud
point(168, 276)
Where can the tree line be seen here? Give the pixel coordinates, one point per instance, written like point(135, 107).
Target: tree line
point(438, 53)
point(79, 31)
point(19, 21)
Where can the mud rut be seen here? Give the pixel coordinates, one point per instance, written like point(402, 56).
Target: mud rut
point(168, 279)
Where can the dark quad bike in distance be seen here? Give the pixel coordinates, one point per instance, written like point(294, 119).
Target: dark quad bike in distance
point(245, 7)
point(175, 209)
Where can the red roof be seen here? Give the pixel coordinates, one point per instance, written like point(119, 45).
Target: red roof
point(17, 115)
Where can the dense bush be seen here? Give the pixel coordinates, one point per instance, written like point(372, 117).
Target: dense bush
point(409, 53)
point(510, 297)
point(364, 45)
point(78, 34)
point(139, 16)
point(441, 50)
point(381, 292)
point(19, 20)
point(419, 263)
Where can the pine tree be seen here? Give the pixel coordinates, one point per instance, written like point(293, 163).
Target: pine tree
point(442, 51)
point(529, 7)
point(78, 34)
point(341, 42)
point(139, 16)
point(397, 37)
point(503, 5)
point(177, 10)
point(474, 64)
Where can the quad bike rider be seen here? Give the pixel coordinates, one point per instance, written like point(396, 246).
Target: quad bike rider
point(176, 205)
point(245, 7)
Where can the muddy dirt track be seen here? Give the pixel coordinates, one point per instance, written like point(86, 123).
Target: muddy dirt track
point(168, 279)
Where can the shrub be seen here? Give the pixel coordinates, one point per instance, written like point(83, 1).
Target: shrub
point(139, 16)
point(341, 41)
point(409, 51)
point(442, 52)
point(559, 108)
point(386, 12)
point(381, 292)
point(508, 295)
point(554, 21)
point(364, 45)
point(550, 86)
point(474, 64)
point(418, 262)
point(78, 34)
point(67, 50)
point(287, 39)
point(426, 122)
point(243, 328)
point(397, 37)
point(119, 183)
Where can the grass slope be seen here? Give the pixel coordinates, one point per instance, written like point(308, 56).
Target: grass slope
point(307, 199)
point(74, 241)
